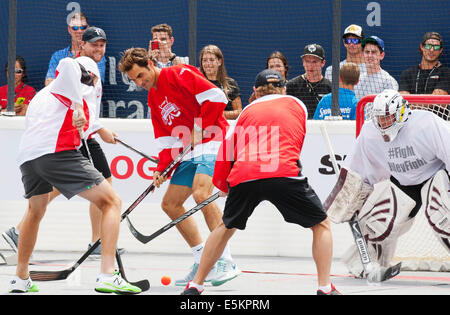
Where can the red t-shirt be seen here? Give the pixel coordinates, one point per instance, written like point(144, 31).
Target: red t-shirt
point(24, 94)
point(266, 142)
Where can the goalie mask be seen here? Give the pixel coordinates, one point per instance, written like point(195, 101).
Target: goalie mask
point(390, 112)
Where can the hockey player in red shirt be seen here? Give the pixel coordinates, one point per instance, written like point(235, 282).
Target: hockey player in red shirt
point(259, 161)
point(185, 108)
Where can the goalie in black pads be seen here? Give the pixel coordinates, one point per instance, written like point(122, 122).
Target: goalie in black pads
point(399, 167)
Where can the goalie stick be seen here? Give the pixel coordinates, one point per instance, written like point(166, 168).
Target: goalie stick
point(145, 239)
point(137, 151)
point(63, 274)
point(374, 273)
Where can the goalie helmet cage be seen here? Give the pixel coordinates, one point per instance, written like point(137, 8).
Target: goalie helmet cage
point(418, 249)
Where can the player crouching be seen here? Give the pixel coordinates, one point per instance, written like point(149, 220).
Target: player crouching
point(399, 166)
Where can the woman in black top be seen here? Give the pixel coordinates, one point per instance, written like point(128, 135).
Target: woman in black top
point(213, 67)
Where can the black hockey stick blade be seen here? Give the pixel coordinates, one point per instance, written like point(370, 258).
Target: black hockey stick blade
point(391, 272)
point(50, 275)
point(147, 238)
point(144, 285)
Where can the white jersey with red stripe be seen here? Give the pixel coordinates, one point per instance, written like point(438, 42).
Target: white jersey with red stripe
point(265, 143)
point(182, 97)
point(48, 122)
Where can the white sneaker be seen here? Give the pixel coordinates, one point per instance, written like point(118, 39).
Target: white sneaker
point(226, 271)
point(190, 276)
point(115, 284)
point(18, 285)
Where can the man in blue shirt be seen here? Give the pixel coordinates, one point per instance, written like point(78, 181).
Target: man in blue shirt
point(348, 78)
point(78, 24)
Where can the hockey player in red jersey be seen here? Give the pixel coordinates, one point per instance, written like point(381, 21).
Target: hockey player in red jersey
point(259, 161)
point(185, 108)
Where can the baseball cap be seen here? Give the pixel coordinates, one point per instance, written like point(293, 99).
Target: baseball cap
point(354, 30)
point(432, 35)
point(314, 50)
point(269, 76)
point(373, 39)
point(93, 34)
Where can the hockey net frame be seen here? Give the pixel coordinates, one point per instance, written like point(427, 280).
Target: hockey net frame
point(418, 249)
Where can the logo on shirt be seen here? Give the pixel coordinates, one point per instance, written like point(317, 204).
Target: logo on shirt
point(169, 111)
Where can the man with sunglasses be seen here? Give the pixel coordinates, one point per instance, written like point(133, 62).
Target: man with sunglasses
point(430, 76)
point(76, 28)
point(352, 39)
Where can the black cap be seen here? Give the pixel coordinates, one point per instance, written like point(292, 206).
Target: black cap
point(314, 50)
point(269, 76)
point(432, 35)
point(93, 34)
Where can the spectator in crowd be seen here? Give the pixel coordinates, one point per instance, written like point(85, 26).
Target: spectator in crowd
point(430, 76)
point(376, 80)
point(78, 24)
point(352, 38)
point(278, 62)
point(23, 92)
point(311, 86)
point(212, 65)
point(348, 78)
point(160, 47)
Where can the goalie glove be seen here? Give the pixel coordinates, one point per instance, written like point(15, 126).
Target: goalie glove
point(347, 196)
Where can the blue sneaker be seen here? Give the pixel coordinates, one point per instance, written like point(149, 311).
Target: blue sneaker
point(12, 238)
point(226, 271)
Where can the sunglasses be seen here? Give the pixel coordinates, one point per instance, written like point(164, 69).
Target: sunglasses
point(429, 46)
point(354, 41)
point(18, 71)
point(82, 27)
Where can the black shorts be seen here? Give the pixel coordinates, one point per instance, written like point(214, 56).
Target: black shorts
point(68, 171)
point(413, 192)
point(98, 157)
point(294, 198)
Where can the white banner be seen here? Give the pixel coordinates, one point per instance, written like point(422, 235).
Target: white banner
point(132, 173)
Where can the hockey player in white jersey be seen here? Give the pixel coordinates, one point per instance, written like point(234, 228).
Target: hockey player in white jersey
point(399, 166)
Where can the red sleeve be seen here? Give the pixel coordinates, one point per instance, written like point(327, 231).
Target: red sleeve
point(211, 99)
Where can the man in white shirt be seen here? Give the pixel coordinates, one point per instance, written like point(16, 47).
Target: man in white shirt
point(375, 80)
point(48, 157)
point(352, 39)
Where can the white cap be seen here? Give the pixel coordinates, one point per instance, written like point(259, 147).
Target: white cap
point(354, 30)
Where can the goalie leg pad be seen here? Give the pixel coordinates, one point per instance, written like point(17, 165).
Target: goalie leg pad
point(347, 196)
point(383, 219)
point(436, 201)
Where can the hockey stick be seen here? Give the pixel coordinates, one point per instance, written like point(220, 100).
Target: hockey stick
point(374, 272)
point(144, 285)
point(145, 239)
point(137, 151)
point(63, 274)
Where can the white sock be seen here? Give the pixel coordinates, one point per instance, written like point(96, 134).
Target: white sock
point(16, 231)
point(104, 276)
point(325, 289)
point(227, 253)
point(199, 287)
point(197, 252)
